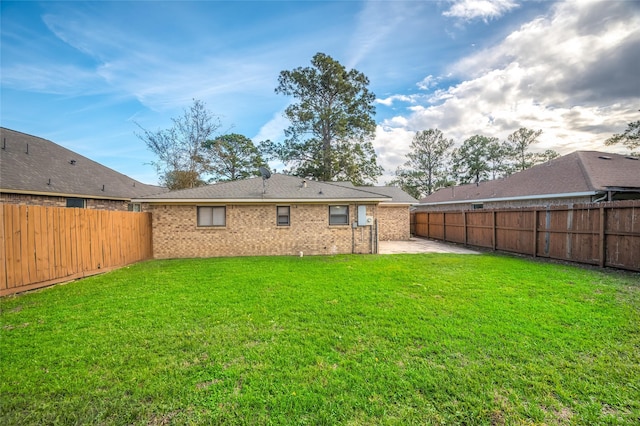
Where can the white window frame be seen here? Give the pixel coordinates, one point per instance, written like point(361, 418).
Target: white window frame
point(203, 219)
point(332, 216)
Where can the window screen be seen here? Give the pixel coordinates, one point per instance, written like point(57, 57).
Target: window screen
point(284, 214)
point(212, 216)
point(338, 215)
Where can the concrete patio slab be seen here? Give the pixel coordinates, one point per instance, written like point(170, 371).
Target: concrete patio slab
point(419, 245)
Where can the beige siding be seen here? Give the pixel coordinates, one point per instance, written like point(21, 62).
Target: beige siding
point(393, 223)
point(251, 230)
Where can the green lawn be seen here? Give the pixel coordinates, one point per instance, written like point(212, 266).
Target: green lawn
point(356, 340)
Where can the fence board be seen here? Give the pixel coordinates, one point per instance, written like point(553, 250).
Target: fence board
point(454, 227)
point(605, 234)
point(40, 245)
point(24, 238)
point(479, 228)
point(3, 259)
point(8, 252)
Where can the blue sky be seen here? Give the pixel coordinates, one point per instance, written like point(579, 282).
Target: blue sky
point(83, 73)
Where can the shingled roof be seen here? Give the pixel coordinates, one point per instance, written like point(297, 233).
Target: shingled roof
point(398, 196)
point(279, 188)
point(581, 173)
point(33, 165)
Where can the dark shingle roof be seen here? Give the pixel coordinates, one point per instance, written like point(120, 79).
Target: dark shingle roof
point(33, 165)
point(279, 188)
point(578, 172)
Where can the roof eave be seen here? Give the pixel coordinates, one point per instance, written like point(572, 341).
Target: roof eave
point(254, 200)
point(392, 204)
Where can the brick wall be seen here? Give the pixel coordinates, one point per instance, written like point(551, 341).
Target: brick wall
point(393, 223)
point(251, 231)
point(53, 201)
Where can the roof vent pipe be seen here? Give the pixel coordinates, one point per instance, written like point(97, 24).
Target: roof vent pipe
point(27, 151)
point(4, 143)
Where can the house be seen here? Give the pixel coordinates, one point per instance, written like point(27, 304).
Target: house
point(281, 215)
point(36, 171)
point(579, 177)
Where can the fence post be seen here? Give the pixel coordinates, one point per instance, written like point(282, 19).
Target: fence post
point(428, 224)
point(444, 226)
point(464, 226)
point(535, 232)
point(495, 236)
point(603, 239)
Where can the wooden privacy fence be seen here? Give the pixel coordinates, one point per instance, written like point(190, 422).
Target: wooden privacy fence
point(40, 246)
point(604, 234)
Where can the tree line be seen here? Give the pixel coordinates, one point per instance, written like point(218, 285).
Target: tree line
point(330, 139)
point(434, 163)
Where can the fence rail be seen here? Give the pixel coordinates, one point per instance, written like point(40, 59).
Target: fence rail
point(603, 234)
point(40, 246)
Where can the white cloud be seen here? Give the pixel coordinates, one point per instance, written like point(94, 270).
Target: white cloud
point(391, 99)
point(570, 74)
point(378, 23)
point(483, 9)
point(274, 129)
point(392, 146)
point(64, 79)
point(427, 83)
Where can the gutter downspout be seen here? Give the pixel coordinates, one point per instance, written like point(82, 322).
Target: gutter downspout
point(605, 195)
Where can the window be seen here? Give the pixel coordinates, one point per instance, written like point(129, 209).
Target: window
point(212, 216)
point(338, 215)
point(477, 206)
point(76, 202)
point(134, 207)
point(284, 215)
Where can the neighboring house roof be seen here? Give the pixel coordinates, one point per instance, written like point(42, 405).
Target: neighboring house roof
point(278, 188)
point(581, 173)
point(398, 196)
point(33, 165)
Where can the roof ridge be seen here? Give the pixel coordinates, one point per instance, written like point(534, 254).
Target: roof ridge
point(357, 188)
point(583, 169)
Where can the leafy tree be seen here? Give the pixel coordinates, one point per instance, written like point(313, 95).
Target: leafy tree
point(517, 147)
point(332, 123)
point(233, 157)
point(471, 161)
point(427, 168)
point(498, 159)
point(545, 156)
point(180, 153)
point(630, 138)
point(180, 179)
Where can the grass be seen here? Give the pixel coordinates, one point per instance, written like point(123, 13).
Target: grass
point(357, 340)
